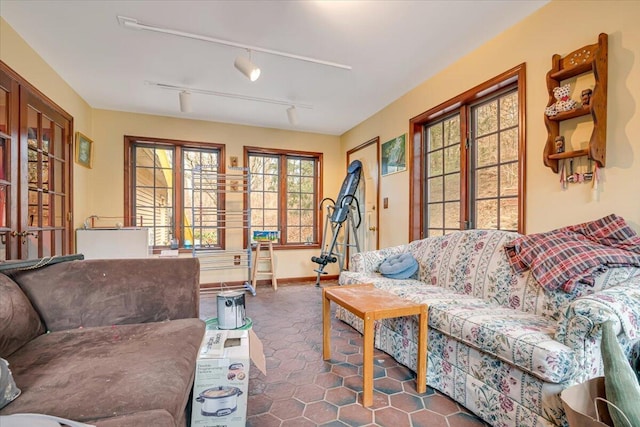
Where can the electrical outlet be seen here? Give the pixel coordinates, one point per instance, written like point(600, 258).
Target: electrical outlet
point(236, 260)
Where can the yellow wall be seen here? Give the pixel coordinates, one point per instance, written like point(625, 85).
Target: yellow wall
point(18, 55)
point(559, 27)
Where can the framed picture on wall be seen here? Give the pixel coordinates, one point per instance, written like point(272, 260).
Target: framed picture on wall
point(394, 155)
point(84, 150)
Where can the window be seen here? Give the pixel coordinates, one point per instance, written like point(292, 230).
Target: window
point(471, 162)
point(443, 176)
point(285, 191)
point(494, 162)
point(161, 193)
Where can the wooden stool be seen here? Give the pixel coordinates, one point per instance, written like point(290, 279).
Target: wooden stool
point(261, 257)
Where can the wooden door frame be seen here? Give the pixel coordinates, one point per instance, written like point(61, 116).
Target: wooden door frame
point(376, 141)
point(12, 137)
point(21, 136)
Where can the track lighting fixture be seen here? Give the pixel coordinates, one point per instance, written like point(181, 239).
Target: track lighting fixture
point(134, 24)
point(292, 115)
point(185, 101)
point(246, 67)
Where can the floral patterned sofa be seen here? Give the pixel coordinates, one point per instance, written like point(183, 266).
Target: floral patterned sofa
point(499, 343)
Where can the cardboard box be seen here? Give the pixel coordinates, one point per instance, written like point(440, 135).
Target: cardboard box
point(222, 377)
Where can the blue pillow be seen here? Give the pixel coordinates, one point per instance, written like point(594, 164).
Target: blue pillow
point(401, 266)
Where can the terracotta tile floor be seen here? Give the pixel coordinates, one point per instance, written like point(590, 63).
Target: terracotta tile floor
point(300, 389)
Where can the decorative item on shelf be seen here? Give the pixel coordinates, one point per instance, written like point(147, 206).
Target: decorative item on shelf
point(589, 60)
point(560, 144)
point(563, 101)
point(563, 176)
point(594, 184)
point(579, 174)
point(571, 177)
point(585, 97)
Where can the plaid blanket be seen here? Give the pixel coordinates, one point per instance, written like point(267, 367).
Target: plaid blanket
point(562, 258)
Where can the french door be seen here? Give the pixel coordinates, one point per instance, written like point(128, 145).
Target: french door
point(35, 172)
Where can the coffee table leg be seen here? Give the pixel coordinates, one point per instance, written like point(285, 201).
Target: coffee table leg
point(326, 327)
point(421, 380)
point(367, 372)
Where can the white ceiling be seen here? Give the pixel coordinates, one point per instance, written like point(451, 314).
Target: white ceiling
point(392, 46)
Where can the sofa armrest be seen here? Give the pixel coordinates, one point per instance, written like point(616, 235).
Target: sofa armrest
point(579, 326)
point(113, 292)
point(582, 317)
point(369, 261)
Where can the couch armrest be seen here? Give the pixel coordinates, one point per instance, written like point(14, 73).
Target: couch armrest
point(579, 326)
point(369, 261)
point(582, 317)
point(113, 292)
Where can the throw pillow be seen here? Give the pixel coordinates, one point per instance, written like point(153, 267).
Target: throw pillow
point(19, 322)
point(8, 389)
point(401, 266)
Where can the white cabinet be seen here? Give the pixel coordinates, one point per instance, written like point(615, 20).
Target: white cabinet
point(105, 243)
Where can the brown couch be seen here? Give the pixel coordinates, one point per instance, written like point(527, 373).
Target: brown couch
point(106, 342)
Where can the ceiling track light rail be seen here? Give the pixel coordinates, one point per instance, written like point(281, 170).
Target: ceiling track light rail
point(134, 24)
point(184, 94)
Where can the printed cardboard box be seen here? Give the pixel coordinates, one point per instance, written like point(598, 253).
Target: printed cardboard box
point(222, 377)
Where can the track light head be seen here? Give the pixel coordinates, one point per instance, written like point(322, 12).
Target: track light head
point(246, 67)
point(292, 115)
point(185, 101)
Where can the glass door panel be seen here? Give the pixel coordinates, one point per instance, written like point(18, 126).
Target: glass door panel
point(35, 172)
point(3, 162)
point(58, 207)
point(44, 232)
point(4, 110)
point(9, 127)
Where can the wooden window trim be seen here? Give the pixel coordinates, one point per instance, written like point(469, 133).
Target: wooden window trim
point(417, 155)
point(130, 141)
point(282, 197)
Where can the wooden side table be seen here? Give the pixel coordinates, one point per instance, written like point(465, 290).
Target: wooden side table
point(371, 304)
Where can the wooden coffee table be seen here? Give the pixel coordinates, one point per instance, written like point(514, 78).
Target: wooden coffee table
point(371, 304)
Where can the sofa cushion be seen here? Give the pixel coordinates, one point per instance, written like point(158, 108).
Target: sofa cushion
point(381, 282)
point(19, 322)
point(523, 339)
point(108, 371)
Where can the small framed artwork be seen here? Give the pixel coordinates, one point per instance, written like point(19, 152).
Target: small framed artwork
point(84, 150)
point(393, 156)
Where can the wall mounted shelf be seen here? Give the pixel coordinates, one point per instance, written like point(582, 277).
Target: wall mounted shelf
point(588, 59)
